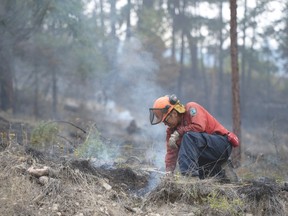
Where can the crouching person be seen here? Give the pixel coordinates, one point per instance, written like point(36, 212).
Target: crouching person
point(194, 138)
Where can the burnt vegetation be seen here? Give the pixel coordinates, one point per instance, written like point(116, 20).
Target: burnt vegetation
point(35, 181)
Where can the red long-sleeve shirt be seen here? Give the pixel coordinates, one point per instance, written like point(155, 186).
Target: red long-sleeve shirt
point(197, 119)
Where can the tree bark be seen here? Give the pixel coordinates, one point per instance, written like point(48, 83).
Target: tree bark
point(180, 78)
point(6, 77)
point(220, 70)
point(113, 18)
point(128, 30)
point(36, 91)
point(102, 16)
point(244, 86)
point(54, 93)
point(236, 154)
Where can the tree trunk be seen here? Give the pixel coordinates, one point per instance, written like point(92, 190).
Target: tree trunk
point(113, 18)
point(148, 3)
point(192, 41)
point(54, 94)
point(250, 64)
point(102, 16)
point(244, 89)
point(204, 79)
point(236, 154)
point(220, 70)
point(180, 78)
point(36, 91)
point(128, 30)
point(173, 56)
point(6, 77)
point(171, 9)
point(6, 71)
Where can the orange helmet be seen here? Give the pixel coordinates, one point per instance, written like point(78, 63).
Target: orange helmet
point(161, 108)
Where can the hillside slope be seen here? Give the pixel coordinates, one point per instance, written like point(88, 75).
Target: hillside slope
point(32, 183)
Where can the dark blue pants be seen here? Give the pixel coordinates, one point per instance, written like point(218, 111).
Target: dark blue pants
point(200, 152)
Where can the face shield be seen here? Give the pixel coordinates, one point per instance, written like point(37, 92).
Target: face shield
point(157, 115)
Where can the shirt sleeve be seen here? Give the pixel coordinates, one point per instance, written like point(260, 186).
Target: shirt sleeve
point(171, 159)
point(171, 154)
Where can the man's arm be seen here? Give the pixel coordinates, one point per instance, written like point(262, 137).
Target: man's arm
point(171, 159)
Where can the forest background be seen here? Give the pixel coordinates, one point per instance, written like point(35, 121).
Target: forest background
point(113, 58)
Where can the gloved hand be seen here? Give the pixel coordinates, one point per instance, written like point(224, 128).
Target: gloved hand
point(233, 139)
point(173, 139)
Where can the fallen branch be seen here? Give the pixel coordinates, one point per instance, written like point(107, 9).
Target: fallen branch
point(66, 122)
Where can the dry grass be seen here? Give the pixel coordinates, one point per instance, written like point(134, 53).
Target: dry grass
point(261, 196)
point(206, 195)
point(80, 188)
point(72, 193)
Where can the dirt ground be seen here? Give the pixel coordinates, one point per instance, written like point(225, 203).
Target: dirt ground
point(61, 178)
point(78, 187)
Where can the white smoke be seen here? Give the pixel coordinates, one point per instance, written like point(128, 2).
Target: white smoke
point(137, 72)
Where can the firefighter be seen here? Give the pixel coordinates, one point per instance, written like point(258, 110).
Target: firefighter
point(201, 145)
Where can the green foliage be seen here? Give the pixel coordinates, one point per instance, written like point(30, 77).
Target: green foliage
point(222, 203)
point(78, 47)
point(94, 147)
point(283, 37)
point(44, 135)
point(151, 22)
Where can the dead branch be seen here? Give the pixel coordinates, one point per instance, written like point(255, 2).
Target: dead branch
point(66, 122)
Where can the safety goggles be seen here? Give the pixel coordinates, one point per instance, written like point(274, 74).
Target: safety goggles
point(157, 115)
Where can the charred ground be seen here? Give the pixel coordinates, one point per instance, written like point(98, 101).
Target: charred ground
point(78, 184)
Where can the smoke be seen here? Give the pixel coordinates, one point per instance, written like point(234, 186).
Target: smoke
point(138, 71)
point(131, 85)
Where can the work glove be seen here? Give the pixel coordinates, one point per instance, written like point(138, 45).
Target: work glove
point(233, 139)
point(173, 139)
